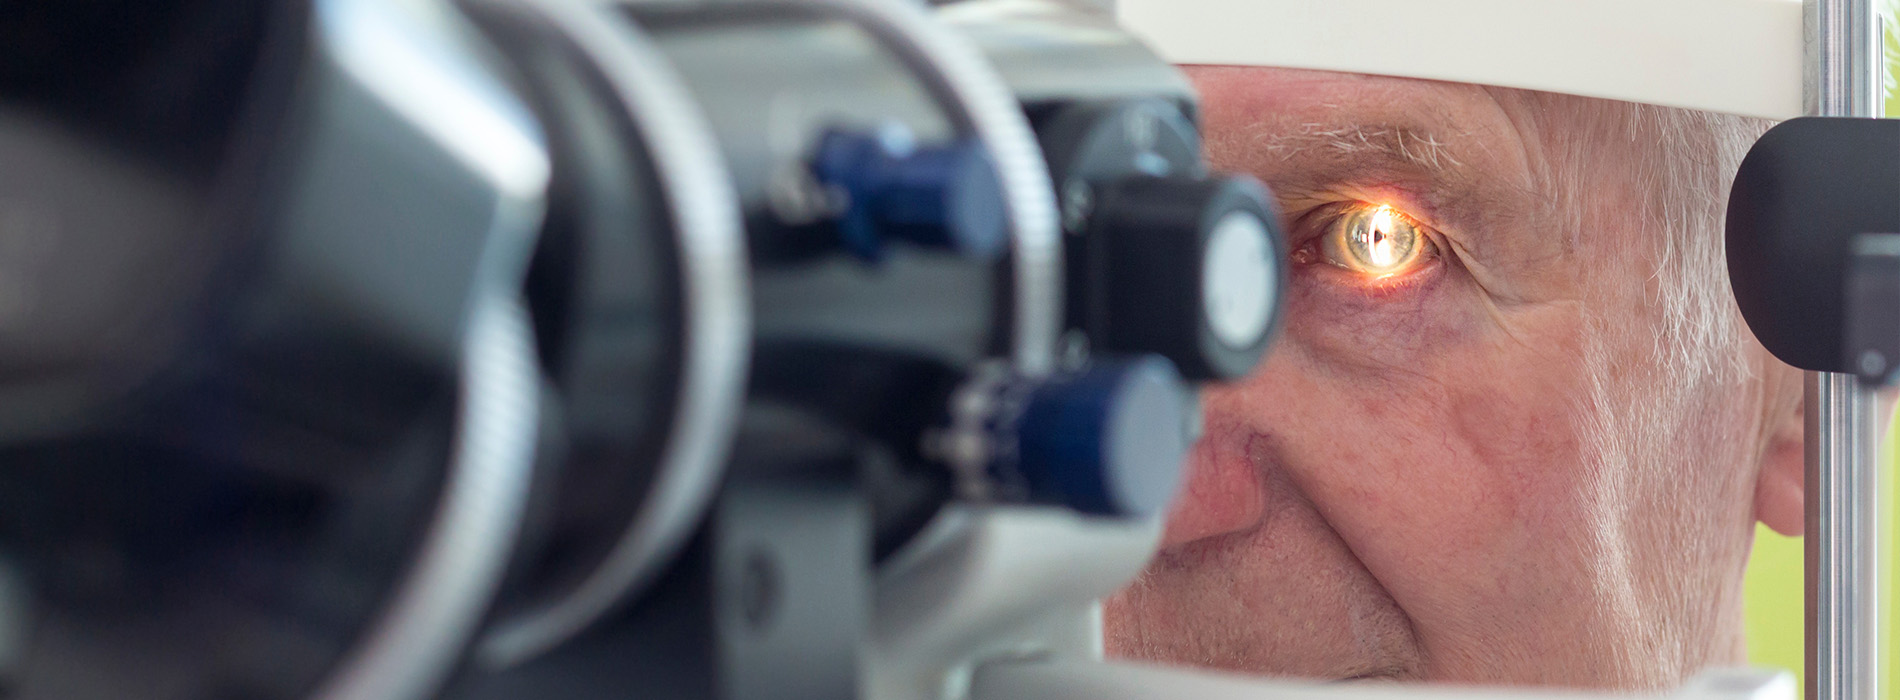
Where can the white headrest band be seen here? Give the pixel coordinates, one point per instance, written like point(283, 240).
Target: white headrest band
point(1735, 56)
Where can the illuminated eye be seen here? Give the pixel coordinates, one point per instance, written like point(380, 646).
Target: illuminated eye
point(1376, 241)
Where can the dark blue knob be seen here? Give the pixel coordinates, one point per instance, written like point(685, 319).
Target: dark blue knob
point(1108, 440)
point(943, 196)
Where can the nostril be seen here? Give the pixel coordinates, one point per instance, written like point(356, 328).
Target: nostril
point(1222, 492)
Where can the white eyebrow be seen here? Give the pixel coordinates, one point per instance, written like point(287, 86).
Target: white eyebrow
point(1410, 145)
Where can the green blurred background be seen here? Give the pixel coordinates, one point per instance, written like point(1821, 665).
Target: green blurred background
point(1774, 600)
point(1776, 624)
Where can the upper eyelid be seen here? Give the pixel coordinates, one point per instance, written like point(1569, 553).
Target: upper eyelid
point(1308, 223)
point(1419, 202)
point(1444, 198)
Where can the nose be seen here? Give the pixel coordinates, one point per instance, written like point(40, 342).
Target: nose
point(1222, 492)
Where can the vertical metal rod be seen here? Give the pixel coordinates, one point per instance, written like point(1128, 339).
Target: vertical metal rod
point(1844, 60)
point(1843, 78)
point(1842, 588)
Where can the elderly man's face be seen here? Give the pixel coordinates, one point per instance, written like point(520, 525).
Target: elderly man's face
point(1460, 468)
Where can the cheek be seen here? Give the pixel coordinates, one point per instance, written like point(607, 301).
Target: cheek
point(1448, 454)
point(1464, 455)
point(1376, 335)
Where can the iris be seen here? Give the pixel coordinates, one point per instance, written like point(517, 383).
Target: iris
point(1374, 240)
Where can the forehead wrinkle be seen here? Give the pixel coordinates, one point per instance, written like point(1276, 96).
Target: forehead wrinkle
point(1534, 123)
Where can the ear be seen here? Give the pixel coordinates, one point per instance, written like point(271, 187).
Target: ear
point(1781, 487)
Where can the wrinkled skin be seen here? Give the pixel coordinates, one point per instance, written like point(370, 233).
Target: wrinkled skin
point(1416, 483)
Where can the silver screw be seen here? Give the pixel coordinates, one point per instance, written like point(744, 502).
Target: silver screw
point(797, 198)
point(1872, 363)
point(758, 591)
point(1075, 349)
point(1078, 201)
point(1140, 128)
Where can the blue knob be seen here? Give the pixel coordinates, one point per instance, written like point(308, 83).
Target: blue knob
point(1105, 441)
point(943, 196)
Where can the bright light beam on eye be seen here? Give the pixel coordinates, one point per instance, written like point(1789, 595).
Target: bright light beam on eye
point(1374, 240)
point(1382, 249)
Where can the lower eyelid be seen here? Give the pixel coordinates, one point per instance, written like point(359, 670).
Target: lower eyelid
point(1347, 281)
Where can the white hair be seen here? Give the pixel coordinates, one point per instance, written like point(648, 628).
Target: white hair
point(1702, 328)
point(1679, 164)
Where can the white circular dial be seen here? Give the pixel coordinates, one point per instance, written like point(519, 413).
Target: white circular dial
point(1237, 280)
